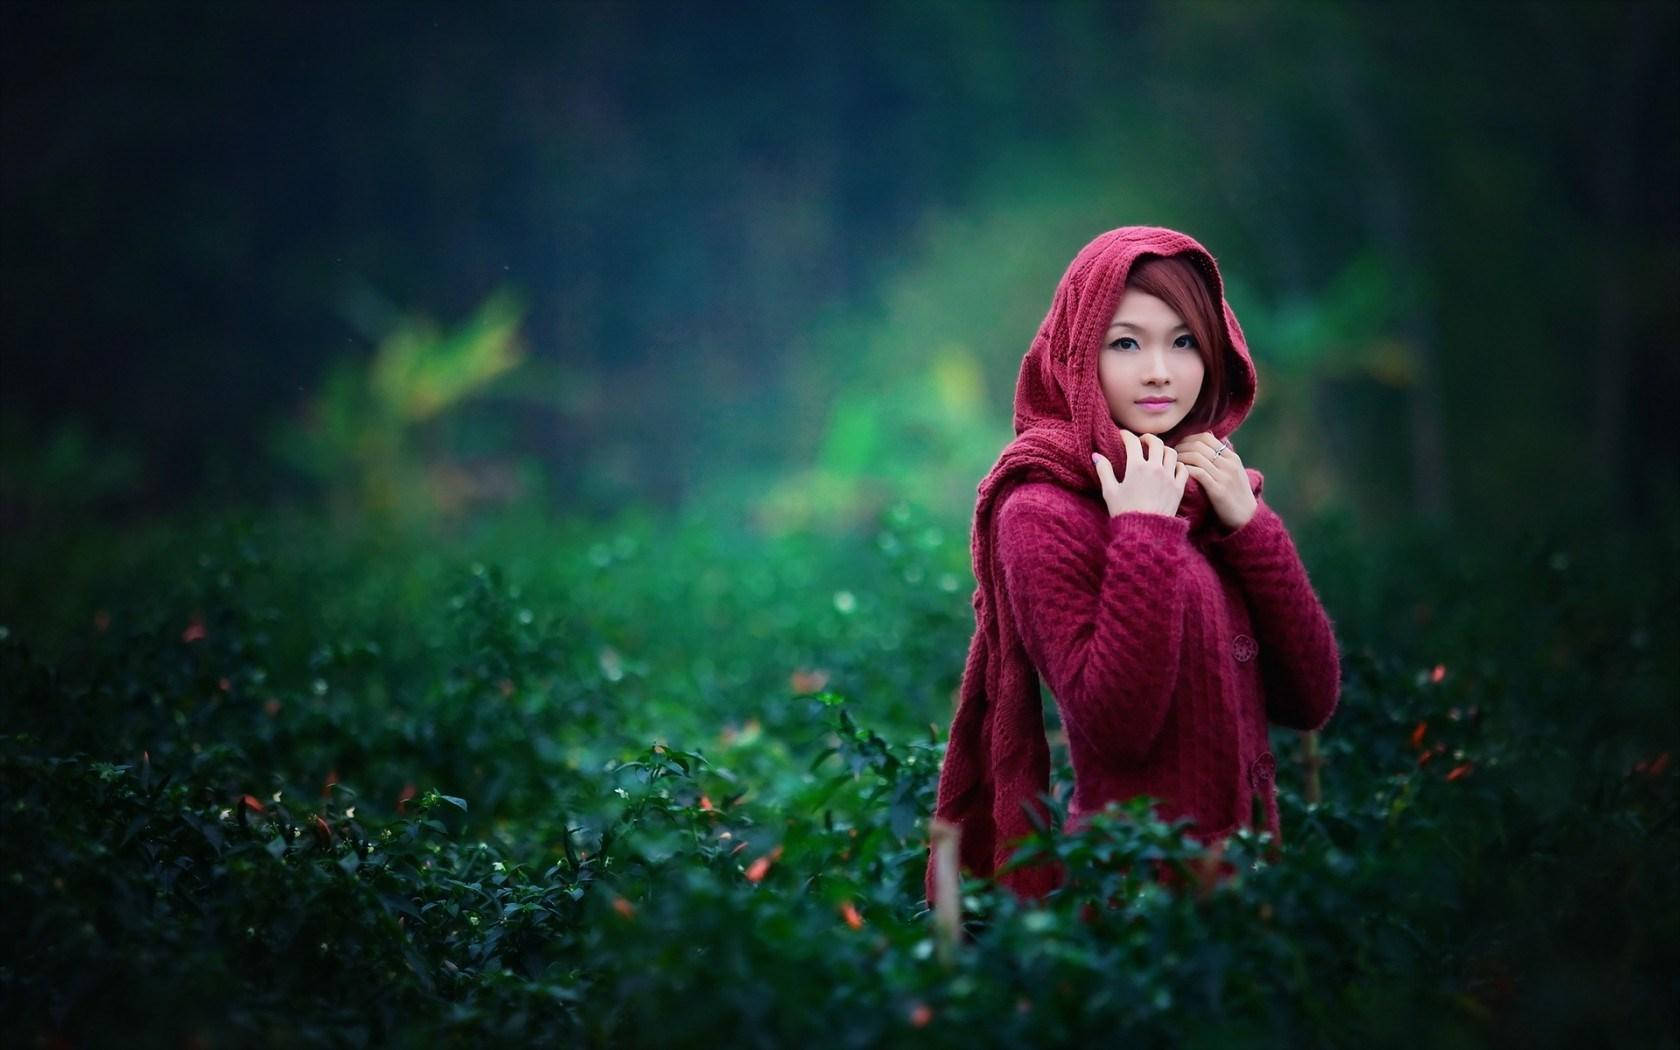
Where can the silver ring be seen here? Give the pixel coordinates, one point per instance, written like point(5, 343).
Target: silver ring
point(1221, 452)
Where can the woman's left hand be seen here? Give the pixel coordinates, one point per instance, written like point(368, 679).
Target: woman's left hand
point(1221, 476)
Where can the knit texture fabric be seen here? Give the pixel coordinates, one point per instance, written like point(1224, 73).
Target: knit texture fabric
point(1167, 642)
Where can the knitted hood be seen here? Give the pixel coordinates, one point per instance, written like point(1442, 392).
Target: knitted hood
point(997, 762)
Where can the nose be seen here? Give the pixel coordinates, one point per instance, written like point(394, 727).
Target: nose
point(1155, 367)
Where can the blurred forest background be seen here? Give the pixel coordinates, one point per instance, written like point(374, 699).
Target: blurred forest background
point(485, 491)
point(421, 261)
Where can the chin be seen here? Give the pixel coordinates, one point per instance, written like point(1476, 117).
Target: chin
point(1157, 425)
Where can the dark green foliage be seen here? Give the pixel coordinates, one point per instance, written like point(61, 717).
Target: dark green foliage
point(640, 785)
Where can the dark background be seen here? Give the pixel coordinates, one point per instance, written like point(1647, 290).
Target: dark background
point(747, 240)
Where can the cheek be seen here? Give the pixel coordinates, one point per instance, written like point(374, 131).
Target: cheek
point(1193, 375)
point(1107, 380)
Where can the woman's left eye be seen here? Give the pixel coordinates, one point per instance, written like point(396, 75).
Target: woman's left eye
point(1185, 342)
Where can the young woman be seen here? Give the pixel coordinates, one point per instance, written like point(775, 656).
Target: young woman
point(1123, 554)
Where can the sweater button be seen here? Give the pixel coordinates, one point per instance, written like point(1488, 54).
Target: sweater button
point(1244, 648)
point(1261, 770)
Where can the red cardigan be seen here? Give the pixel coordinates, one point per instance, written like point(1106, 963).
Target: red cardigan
point(1167, 656)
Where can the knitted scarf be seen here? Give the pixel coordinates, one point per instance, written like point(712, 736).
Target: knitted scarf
point(997, 761)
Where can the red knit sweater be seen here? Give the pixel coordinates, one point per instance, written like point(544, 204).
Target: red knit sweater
point(1167, 656)
point(1167, 643)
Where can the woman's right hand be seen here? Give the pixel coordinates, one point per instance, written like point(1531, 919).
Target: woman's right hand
point(1154, 478)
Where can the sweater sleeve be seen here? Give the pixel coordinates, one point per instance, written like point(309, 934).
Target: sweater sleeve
point(1299, 663)
point(1104, 631)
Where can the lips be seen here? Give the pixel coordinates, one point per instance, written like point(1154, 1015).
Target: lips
point(1157, 401)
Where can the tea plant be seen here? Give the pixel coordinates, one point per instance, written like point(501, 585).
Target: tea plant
point(651, 787)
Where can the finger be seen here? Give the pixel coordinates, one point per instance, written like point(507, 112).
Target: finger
point(1133, 449)
point(1196, 457)
point(1169, 456)
point(1181, 477)
point(1105, 469)
point(1152, 445)
point(1213, 461)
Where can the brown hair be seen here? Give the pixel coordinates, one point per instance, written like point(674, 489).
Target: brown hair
point(1176, 282)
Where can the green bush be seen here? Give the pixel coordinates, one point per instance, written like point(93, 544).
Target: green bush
point(641, 783)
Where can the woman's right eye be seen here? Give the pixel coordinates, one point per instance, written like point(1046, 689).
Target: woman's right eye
point(1120, 343)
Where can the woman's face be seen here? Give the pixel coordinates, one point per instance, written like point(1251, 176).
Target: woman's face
point(1150, 368)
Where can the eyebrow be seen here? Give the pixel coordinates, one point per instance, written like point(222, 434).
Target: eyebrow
point(1138, 328)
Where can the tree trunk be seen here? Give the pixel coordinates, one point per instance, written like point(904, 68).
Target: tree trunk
point(1390, 218)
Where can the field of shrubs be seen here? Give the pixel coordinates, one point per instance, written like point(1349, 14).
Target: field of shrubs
point(660, 782)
